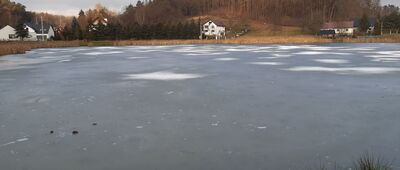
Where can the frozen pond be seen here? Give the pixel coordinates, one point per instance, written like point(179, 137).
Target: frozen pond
point(199, 107)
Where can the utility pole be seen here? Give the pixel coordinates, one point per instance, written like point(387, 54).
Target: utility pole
point(41, 18)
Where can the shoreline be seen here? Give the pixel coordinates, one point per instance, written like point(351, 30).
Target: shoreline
point(8, 48)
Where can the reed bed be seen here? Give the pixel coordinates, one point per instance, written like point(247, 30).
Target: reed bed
point(247, 40)
point(19, 47)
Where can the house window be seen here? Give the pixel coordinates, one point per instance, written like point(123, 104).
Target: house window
point(206, 27)
point(12, 36)
point(347, 29)
point(212, 31)
point(212, 27)
point(41, 37)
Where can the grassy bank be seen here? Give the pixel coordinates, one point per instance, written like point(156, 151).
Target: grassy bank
point(21, 47)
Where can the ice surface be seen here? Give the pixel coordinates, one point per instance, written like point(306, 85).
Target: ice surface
point(234, 116)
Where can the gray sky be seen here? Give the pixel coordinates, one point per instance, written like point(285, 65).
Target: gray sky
point(72, 7)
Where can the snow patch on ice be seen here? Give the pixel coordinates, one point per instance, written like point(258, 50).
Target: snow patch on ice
point(207, 54)
point(320, 53)
point(162, 75)
point(62, 61)
point(14, 142)
point(225, 59)
point(347, 70)
point(267, 63)
point(103, 53)
point(332, 61)
point(386, 60)
point(134, 58)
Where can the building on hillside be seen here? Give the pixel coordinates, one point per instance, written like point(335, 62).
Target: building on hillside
point(213, 29)
point(98, 22)
point(8, 33)
point(37, 34)
point(344, 28)
point(328, 33)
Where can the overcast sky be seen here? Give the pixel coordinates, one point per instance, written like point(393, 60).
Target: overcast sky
point(72, 7)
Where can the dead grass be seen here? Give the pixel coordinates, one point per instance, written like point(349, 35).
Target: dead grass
point(378, 39)
point(248, 40)
point(21, 47)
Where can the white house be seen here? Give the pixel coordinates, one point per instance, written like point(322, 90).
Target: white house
point(346, 28)
point(36, 33)
point(7, 33)
point(213, 29)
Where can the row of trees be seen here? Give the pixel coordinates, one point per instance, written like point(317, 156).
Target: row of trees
point(391, 22)
point(11, 13)
point(101, 24)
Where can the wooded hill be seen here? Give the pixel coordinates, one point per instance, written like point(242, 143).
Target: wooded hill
point(304, 13)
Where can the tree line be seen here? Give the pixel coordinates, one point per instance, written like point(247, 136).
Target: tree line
point(101, 24)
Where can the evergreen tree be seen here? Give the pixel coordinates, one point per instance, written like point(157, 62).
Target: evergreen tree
point(378, 26)
point(364, 24)
point(75, 29)
point(21, 31)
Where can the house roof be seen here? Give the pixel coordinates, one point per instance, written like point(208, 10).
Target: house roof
point(7, 26)
point(343, 24)
point(38, 27)
point(218, 23)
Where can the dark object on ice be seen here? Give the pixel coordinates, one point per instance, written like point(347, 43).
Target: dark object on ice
point(75, 132)
point(52, 131)
point(94, 124)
